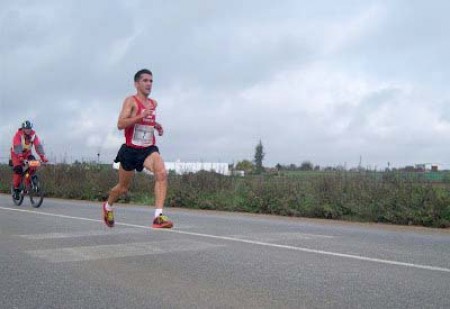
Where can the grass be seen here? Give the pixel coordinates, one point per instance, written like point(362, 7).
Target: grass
point(398, 198)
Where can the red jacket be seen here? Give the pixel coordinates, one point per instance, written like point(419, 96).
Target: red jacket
point(22, 145)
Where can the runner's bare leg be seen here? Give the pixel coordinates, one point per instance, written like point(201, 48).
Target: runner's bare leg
point(125, 178)
point(155, 164)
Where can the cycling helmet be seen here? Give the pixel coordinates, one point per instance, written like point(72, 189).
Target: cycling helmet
point(27, 125)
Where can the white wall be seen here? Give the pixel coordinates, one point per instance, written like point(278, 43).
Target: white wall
point(191, 167)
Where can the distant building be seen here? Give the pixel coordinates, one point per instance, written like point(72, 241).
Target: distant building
point(180, 168)
point(427, 167)
point(238, 173)
point(194, 167)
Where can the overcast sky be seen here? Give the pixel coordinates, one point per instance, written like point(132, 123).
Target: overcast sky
point(332, 82)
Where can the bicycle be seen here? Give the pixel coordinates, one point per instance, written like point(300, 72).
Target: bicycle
point(30, 185)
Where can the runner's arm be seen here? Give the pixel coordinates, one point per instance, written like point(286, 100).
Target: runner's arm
point(126, 117)
point(158, 126)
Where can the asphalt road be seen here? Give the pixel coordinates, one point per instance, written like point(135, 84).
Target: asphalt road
point(62, 256)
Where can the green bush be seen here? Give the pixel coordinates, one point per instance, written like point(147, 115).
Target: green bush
point(398, 198)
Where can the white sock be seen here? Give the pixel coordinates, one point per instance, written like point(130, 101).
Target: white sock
point(158, 211)
point(108, 207)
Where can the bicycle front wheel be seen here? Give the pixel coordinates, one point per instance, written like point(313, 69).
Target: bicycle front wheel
point(36, 193)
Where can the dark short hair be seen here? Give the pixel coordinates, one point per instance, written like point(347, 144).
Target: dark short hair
point(138, 74)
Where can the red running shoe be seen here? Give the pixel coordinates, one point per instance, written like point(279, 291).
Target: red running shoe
point(108, 216)
point(162, 222)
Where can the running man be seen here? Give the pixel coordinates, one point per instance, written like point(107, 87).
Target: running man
point(138, 119)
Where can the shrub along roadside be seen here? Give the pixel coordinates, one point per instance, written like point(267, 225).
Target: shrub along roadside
point(336, 195)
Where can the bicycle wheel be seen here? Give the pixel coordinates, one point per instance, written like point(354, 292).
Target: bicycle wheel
point(36, 193)
point(21, 196)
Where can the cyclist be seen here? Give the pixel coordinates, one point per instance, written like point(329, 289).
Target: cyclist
point(138, 119)
point(22, 144)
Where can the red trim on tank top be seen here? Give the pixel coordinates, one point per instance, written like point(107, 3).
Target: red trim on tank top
point(142, 104)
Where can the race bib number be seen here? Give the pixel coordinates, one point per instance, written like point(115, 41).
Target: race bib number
point(143, 135)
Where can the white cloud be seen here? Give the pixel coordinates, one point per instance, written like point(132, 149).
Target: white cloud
point(323, 81)
point(343, 33)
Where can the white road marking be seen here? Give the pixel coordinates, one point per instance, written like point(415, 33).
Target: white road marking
point(317, 235)
point(88, 253)
point(259, 243)
point(279, 236)
point(82, 234)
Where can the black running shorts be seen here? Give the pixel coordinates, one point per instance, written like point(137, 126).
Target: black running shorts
point(133, 158)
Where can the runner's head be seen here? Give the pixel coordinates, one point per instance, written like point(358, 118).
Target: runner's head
point(143, 81)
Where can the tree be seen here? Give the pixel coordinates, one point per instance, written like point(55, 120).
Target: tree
point(278, 167)
point(244, 165)
point(306, 166)
point(259, 157)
